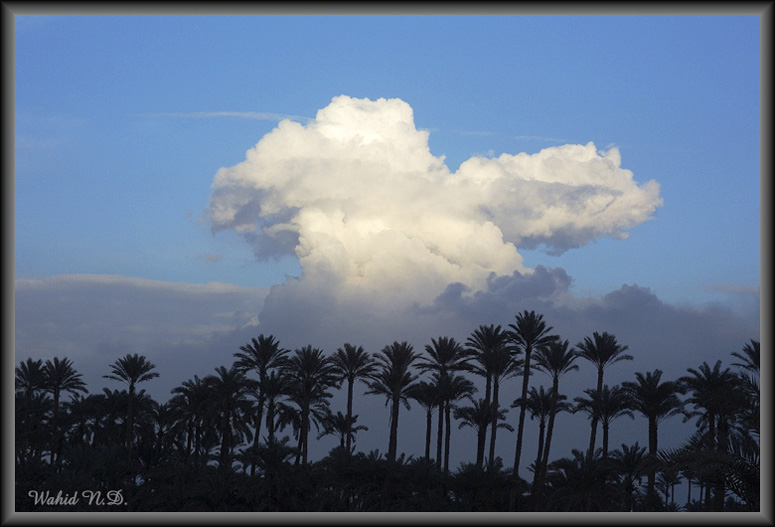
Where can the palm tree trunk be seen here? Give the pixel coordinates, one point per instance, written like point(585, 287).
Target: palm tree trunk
point(270, 422)
point(549, 431)
point(540, 453)
point(447, 412)
point(130, 416)
point(393, 443)
point(494, 423)
point(350, 382)
point(606, 426)
point(535, 497)
point(440, 434)
point(303, 434)
point(259, 416)
point(689, 496)
point(652, 475)
point(55, 430)
point(482, 432)
point(522, 408)
point(719, 488)
point(428, 423)
point(594, 417)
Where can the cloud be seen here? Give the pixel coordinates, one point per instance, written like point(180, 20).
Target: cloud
point(95, 319)
point(260, 116)
point(357, 196)
point(190, 329)
point(734, 289)
point(211, 257)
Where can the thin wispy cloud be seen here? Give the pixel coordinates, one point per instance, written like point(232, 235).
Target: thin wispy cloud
point(540, 138)
point(211, 257)
point(257, 116)
point(733, 289)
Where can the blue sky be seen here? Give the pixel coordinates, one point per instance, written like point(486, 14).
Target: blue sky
point(120, 132)
point(105, 185)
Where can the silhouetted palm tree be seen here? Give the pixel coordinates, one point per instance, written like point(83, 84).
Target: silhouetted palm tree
point(310, 375)
point(452, 388)
point(263, 355)
point(605, 406)
point(716, 398)
point(541, 404)
point(630, 462)
point(555, 359)
point(750, 356)
point(488, 347)
point(31, 407)
point(601, 350)
point(276, 385)
point(59, 377)
point(30, 377)
point(528, 333)
point(584, 483)
point(393, 379)
point(655, 401)
point(189, 405)
point(477, 416)
point(445, 356)
point(666, 482)
point(427, 395)
point(341, 426)
point(131, 369)
point(350, 364)
point(749, 383)
point(228, 390)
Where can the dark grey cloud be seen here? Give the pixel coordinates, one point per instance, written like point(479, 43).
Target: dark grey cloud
point(189, 330)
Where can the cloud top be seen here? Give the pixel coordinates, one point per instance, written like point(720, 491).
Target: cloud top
point(358, 197)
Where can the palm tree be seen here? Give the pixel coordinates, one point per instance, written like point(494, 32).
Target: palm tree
point(629, 462)
point(528, 333)
point(263, 355)
point(655, 401)
point(393, 379)
point(59, 377)
point(605, 405)
point(189, 404)
point(541, 404)
point(477, 416)
point(30, 377)
point(601, 350)
point(445, 356)
point(750, 357)
point(452, 388)
point(555, 360)
point(427, 395)
point(584, 483)
point(505, 366)
point(667, 481)
point(487, 345)
point(310, 375)
point(717, 398)
point(749, 381)
point(229, 404)
point(276, 385)
point(131, 369)
point(31, 385)
point(341, 426)
point(350, 364)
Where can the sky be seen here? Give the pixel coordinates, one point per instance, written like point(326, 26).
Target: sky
point(185, 183)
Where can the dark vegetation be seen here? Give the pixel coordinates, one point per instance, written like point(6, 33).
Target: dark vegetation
point(223, 442)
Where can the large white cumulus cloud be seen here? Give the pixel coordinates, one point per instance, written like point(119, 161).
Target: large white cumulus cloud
point(358, 197)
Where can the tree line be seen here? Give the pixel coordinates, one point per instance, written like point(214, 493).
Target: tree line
point(223, 442)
